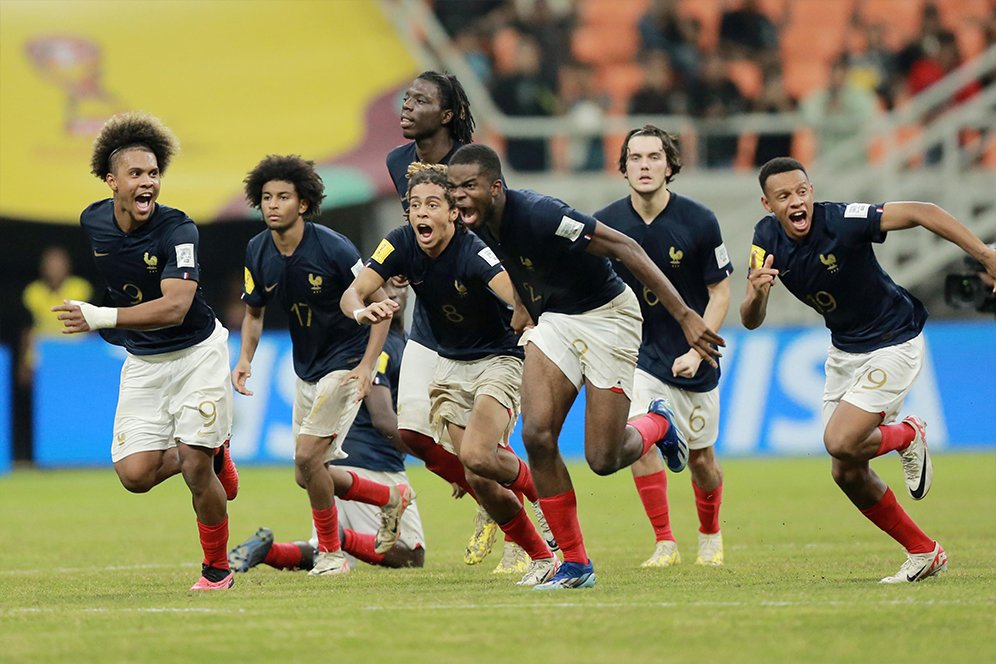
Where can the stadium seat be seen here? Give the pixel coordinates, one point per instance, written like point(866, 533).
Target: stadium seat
point(955, 12)
point(799, 42)
point(708, 15)
point(504, 46)
point(774, 9)
point(803, 76)
point(747, 76)
point(619, 81)
point(901, 18)
point(818, 15)
point(971, 39)
point(605, 44)
point(603, 12)
point(803, 145)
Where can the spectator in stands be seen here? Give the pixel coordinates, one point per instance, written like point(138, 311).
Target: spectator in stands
point(470, 42)
point(523, 92)
point(659, 95)
point(932, 66)
point(774, 99)
point(663, 27)
point(716, 97)
point(747, 32)
point(874, 67)
point(584, 108)
point(550, 23)
point(932, 30)
point(457, 15)
point(840, 111)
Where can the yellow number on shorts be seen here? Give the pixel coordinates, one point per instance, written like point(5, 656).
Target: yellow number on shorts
point(650, 297)
point(875, 379)
point(451, 313)
point(304, 320)
point(822, 301)
point(209, 411)
point(696, 422)
point(134, 292)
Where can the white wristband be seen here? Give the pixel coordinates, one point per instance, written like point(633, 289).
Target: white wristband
point(97, 318)
point(357, 312)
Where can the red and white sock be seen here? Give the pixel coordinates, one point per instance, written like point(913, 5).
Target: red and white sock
point(327, 524)
point(895, 437)
point(367, 491)
point(214, 542)
point(707, 505)
point(561, 512)
point(888, 515)
point(653, 494)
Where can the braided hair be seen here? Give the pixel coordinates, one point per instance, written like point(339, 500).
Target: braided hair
point(453, 98)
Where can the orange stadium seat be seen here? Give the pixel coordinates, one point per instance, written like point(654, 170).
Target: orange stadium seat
point(602, 12)
point(503, 47)
point(818, 15)
point(800, 42)
point(747, 76)
point(803, 145)
point(954, 12)
point(619, 81)
point(708, 12)
point(605, 44)
point(774, 9)
point(804, 76)
point(901, 18)
point(971, 40)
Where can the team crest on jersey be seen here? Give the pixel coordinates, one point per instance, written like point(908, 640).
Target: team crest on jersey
point(460, 288)
point(831, 262)
point(316, 282)
point(676, 256)
point(151, 262)
point(526, 263)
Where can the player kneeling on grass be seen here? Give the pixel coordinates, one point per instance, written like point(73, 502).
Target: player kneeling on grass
point(174, 411)
point(372, 458)
point(822, 252)
point(475, 389)
point(304, 268)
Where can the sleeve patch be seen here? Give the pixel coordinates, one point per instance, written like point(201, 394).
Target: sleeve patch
point(357, 267)
point(722, 255)
point(757, 255)
point(382, 363)
point(185, 255)
point(488, 256)
point(384, 249)
point(250, 285)
point(570, 228)
point(856, 211)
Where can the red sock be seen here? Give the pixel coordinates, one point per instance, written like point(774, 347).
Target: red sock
point(327, 525)
point(367, 491)
point(561, 512)
point(888, 515)
point(895, 437)
point(214, 542)
point(652, 428)
point(522, 531)
point(284, 555)
point(361, 546)
point(437, 459)
point(707, 504)
point(522, 485)
point(653, 495)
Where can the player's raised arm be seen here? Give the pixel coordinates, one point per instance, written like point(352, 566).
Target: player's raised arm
point(162, 312)
point(906, 214)
point(366, 288)
point(611, 243)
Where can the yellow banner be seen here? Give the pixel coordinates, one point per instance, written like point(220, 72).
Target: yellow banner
point(234, 80)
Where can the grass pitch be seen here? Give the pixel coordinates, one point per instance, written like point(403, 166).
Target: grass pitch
point(89, 572)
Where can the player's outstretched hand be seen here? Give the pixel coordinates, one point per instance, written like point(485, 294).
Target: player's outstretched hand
point(701, 338)
point(240, 374)
point(376, 312)
point(762, 278)
point(71, 315)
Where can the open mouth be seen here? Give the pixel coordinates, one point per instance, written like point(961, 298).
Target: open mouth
point(468, 216)
point(799, 220)
point(143, 203)
point(424, 232)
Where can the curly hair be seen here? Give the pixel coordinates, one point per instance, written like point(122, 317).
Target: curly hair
point(420, 173)
point(668, 140)
point(290, 168)
point(452, 97)
point(132, 130)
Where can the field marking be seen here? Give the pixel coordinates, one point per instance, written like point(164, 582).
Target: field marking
point(82, 570)
point(148, 609)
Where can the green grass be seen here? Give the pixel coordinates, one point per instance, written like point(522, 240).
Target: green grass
point(89, 572)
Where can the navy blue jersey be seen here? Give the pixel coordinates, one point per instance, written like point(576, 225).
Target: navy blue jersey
point(364, 444)
point(685, 242)
point(468, 320)
point(398, 161)
point(834, 270)
point(307, 285)
point(542, 246)
point(133, 264)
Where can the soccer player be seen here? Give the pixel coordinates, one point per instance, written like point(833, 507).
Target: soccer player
point(372, 456)
point(174, 412)
point(304, 268)
point(822, 252)
point(437, 121)
point(474, 392)
point(587, 333)
point(683, 239)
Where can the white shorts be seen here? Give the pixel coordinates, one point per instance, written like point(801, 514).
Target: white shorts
point(600, 345)
point(457, 384)
point(364, 518)
point(418, 365)
point(696, 413)
point(876, 382)
point(183, 395)
point(326, 409)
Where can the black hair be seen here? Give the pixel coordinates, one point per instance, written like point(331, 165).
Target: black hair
point(671, 150)
point(779, 165)
point(132, 130)
point(453, 98)
point(481, 155)
point(290, 168)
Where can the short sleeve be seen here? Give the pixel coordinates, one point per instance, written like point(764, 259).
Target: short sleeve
point(181, 253)
point(389, 259)
point(553, 217)
point(716, 259)
point(482, 261)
